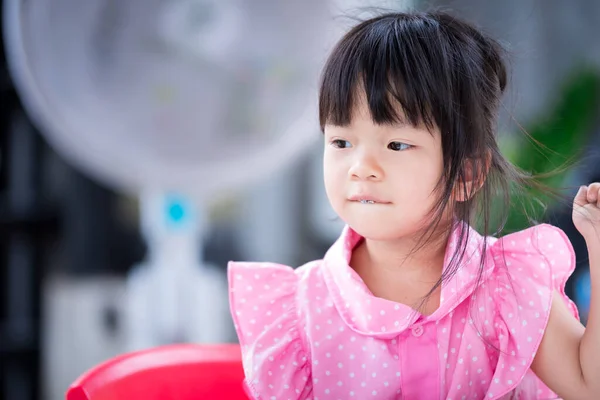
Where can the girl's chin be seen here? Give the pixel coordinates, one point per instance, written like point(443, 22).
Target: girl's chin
point(375, 230)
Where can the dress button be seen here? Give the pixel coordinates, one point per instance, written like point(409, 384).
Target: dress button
point(417, 331)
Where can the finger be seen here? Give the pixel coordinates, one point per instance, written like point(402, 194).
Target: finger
point(581, 196)
point(592, 193)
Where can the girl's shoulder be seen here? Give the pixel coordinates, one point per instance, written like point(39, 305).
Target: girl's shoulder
point(529, 267)
point(538, 239)
point(265, 301)
point(267, 282)
point(257, 288)
point(511, 304)
point(538, 256)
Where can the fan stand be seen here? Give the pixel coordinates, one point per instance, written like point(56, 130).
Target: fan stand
point(173, 296)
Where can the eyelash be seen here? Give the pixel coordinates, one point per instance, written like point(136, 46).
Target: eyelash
point(403, 146)
point(339, 144)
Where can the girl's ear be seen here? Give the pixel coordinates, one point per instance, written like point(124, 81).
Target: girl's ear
point(474, 174)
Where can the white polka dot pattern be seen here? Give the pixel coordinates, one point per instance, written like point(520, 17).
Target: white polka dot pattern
point(530, 265)
point(318, 333)
point(263, 304)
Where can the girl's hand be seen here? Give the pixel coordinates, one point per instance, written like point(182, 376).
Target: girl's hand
point(586, 212)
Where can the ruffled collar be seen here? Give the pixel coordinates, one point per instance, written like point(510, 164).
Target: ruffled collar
point(374, 316)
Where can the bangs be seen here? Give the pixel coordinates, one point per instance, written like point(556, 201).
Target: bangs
point(398, 64)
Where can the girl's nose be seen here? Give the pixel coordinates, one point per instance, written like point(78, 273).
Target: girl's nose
point(366, 167)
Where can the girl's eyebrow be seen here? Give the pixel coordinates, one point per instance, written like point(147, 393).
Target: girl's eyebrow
point(400, 124)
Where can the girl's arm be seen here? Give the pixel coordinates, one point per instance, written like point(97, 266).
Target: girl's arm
point(568, 359)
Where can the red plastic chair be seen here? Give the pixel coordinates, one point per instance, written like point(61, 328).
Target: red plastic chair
point(177, 372)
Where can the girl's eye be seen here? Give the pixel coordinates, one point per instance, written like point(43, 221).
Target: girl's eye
point(399, 146)
point(340, 144)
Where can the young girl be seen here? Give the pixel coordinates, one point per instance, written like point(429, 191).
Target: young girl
point(411, 302)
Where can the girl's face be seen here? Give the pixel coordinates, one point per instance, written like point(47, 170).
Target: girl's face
point(394, 169)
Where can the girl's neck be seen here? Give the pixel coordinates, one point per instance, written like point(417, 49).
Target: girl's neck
point(403, 256)
point(396, 271)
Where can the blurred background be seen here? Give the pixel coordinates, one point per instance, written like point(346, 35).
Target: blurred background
point(143, 144)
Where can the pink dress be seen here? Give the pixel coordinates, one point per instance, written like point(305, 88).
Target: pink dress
point(317, 332)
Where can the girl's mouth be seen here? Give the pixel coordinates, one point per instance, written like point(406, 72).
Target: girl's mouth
point(367, 199)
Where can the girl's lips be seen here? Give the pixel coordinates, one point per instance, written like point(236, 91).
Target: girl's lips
point(368, 199)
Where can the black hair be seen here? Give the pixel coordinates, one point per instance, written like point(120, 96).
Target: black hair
point(433, 70)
